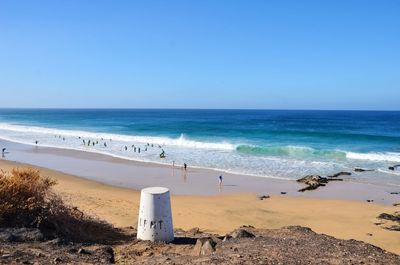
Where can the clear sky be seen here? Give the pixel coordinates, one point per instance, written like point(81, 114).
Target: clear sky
point(200, 54)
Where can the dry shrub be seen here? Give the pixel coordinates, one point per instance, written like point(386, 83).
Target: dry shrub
point(27, 200)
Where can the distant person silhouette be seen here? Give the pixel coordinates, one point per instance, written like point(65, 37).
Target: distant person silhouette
point(220, 180)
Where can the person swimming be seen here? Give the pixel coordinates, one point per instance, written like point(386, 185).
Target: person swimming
point(162, 155)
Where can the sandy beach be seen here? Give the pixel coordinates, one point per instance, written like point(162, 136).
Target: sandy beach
point(344, 219)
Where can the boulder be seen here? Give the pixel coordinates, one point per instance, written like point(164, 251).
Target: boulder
point(241, 233)
point(204, 246)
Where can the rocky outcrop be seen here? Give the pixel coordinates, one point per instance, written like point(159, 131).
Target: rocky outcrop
point(391, 217)
point(315, 181)
point(288, 245)
point(390, 221)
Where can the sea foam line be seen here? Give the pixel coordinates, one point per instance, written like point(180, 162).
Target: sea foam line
point(387, 156)
point(181, 141)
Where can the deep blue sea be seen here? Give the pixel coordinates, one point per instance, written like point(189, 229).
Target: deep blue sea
point(268, 143)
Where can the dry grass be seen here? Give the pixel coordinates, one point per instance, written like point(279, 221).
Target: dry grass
point(27, 200)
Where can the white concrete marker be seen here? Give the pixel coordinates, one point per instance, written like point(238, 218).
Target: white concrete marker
point(155, 217)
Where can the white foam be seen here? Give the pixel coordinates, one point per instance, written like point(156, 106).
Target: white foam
point(387, 156)
point(181, 141)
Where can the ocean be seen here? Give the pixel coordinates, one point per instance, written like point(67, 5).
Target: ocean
point(283, 144)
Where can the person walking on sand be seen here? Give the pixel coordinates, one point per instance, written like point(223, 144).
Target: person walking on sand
point(185, 166)
point(3, 151)
point(220, 180)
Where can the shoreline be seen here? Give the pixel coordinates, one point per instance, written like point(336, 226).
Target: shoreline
point(195, 181)
point(222, 213)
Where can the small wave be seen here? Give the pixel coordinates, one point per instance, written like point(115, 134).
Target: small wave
point(291, 151)
point(387, 156)
point(390, 172)
point(181, 141)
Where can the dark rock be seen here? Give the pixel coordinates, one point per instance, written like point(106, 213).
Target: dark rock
point(283, 192)
point(241, 233)
point(391, 217)
point(393, 228)
point(109, 252)
point(264, 197)
point(357, 169)
point(334, 179)
point(342, 173)
point(20, 235)
point(370, 200)
point(396, 204)
point(394, 167)
point(395, 192)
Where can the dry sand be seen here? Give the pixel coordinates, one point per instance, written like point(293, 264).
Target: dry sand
point(222, 213)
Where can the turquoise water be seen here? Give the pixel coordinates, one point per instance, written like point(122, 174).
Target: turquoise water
point(267, 143)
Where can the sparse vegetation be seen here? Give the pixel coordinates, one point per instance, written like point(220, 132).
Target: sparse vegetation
point(27, 200)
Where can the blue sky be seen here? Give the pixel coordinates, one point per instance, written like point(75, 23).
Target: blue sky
point(200, 54)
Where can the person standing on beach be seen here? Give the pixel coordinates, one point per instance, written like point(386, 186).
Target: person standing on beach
point(36, 142)
point(185, 166)
point(3, 151)
point(220, 180)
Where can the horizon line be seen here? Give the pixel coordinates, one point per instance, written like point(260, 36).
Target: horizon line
point(265, 109)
